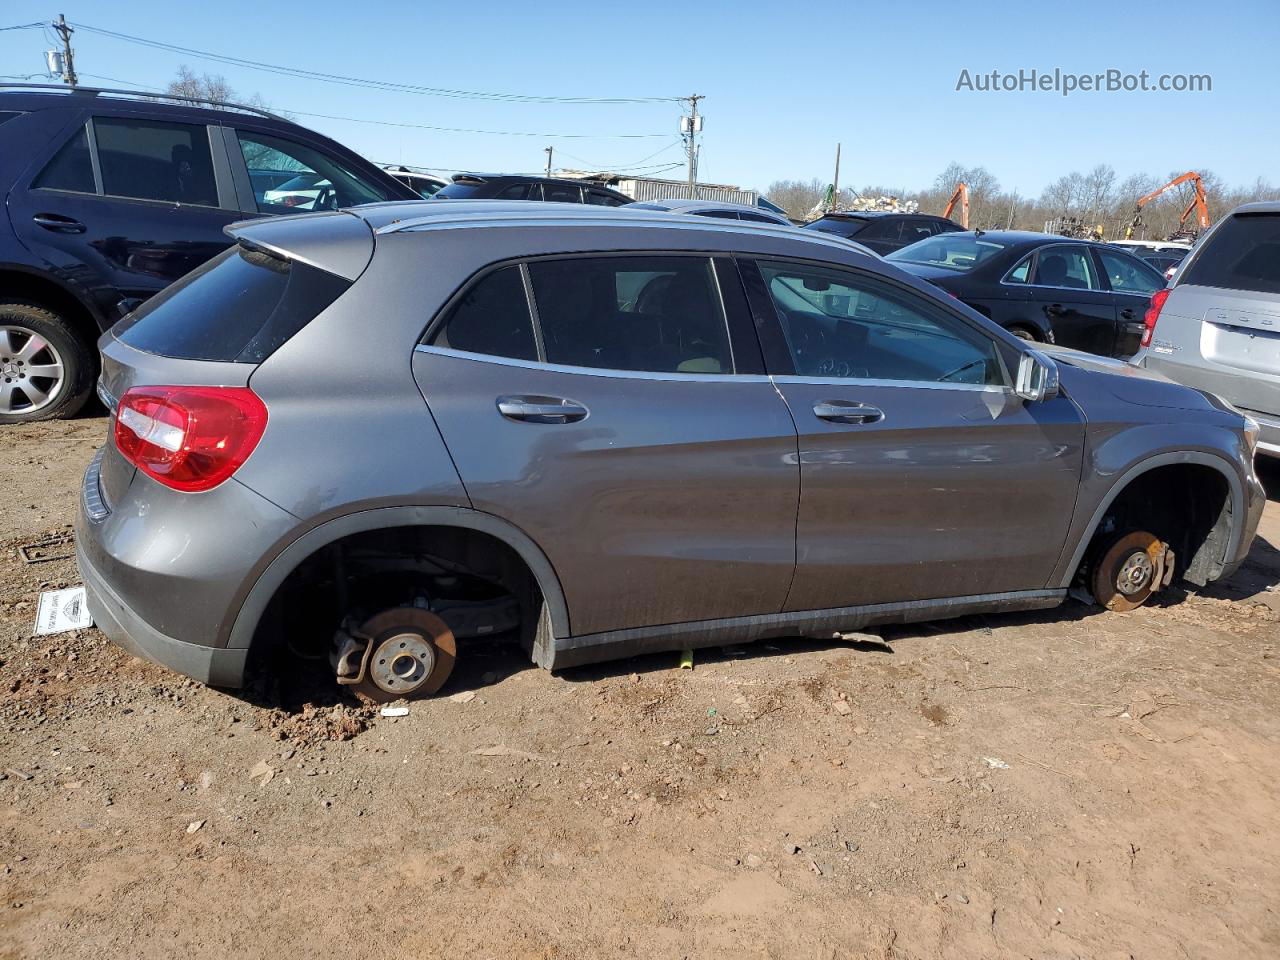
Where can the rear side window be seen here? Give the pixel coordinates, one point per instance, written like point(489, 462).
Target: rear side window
point(561, 193)
point(492, 318)
point(240, 306)
point(153, 160)
point(656, 314)
point(70, 168)
point(1242, 254)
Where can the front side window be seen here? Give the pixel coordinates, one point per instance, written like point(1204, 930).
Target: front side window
point(658, 314)
point(840, 325)
point(305, 179)
point(913, 230)
point(1065, 266)
point(1128, 275)
point(492, 318)
point(70, 168)
point(155, 160)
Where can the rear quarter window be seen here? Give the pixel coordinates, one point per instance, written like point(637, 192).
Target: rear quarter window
point(239, 307)
point(1242, 254)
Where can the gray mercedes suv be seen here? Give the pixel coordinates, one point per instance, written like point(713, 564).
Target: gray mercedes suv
point(381, 432)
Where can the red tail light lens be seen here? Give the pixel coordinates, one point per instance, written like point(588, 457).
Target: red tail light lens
point(1152, 315)
point(189, 438)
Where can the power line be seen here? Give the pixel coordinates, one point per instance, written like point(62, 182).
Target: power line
point(24, 26)
point(365, 82)
point(145, 91)
point(628, 166)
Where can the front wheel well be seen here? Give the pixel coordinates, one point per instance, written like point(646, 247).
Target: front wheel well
point(1187, 505)
point(476, 583)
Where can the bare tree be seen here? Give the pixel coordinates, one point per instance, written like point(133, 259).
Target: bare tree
point(797, 197)
point(200, 86)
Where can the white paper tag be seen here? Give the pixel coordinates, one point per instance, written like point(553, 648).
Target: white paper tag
point(62, 610)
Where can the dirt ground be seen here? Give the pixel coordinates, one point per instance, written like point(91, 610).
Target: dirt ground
point(1064, 784)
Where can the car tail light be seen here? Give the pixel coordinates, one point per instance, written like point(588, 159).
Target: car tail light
point(1152, 315)
point(189, 438)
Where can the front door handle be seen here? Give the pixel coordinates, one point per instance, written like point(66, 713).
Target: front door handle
point(847, 411)
point(58, 223)
point(537, 409)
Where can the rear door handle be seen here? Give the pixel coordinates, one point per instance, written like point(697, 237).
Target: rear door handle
point(537, 409)
point(1054, 310)
point(1127, 313)
point(58, 223)
point(847, 411)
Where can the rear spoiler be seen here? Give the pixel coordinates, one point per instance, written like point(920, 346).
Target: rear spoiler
point(337, 242)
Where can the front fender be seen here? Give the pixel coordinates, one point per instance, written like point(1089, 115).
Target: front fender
point(1129, 453)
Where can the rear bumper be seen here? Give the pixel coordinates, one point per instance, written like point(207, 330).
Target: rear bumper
point(164, 571)
point(215, 666)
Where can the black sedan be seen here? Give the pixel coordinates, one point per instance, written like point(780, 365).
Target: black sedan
point(1084, 295)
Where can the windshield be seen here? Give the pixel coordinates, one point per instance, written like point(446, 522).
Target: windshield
point(955, 251)
point(841, 226)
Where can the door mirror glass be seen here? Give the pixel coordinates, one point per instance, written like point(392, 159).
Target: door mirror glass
point(1037, 377)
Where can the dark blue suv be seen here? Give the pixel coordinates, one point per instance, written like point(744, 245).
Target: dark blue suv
point(108, 197)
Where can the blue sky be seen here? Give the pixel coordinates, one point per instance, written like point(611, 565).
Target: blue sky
point(783, 82)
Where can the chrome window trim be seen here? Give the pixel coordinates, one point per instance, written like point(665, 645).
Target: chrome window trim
point(606, 372)
point(911, 384)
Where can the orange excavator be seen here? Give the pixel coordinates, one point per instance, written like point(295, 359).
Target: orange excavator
point(961, 196)
point(1197, 205)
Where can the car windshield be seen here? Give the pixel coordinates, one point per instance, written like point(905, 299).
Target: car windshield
point(840, 226)
point(955, 251)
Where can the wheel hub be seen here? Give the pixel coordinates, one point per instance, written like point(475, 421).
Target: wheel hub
point(401, 663)
point(11, 370)
point(1135, 574)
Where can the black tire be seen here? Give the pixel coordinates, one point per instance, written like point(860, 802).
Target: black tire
point(1024, 333)
point(77, 362)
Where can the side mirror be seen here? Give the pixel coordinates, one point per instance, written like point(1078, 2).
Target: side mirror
point(1037, 377)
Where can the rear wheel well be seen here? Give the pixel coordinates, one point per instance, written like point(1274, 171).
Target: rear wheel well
point(476, 583)
point(18, 286)
point(1187, 505)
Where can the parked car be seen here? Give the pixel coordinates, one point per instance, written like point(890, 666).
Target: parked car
point(1144, 248)
point(1077, 293)
point(1167, 266)
point(1218, 327)
point(595, 436)
point(501, 186)
point(302, 193)
point(423, 184)
point(882, 231)
point(713, 209)
point(111, 197)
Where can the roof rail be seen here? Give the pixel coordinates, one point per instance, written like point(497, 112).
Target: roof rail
point(146, 95)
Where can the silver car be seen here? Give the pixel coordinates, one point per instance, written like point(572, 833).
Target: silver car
point(388, 430)
point(1217, 327)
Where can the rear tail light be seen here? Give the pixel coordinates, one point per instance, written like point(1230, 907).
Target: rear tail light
point(189, 438)
point(1152, 315)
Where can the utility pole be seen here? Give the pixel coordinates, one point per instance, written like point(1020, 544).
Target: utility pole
point(835, 184)
point(691, 125)
point(68, 59)
point(547, 151)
